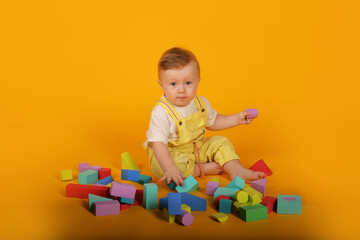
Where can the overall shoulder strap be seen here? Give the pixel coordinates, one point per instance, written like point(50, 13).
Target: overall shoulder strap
point(199, 103)
point(165, 104)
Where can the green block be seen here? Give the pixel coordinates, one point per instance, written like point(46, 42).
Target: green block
point(289, 204)
point(190, 185)
point(126, 200)
point(94, 198)
point(150, 196)
point(225, 191)
point(253, 212)
point(88, 176)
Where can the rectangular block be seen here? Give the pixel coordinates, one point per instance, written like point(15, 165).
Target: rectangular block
point(225, 191)
point(107, 208)
point(82, 191)
point(174, 203)
point(104, 172)
point(211, 187)
point(87, 177)
point(83, 167)
point(225, 206)
point(190, 185)
point(96, 168)
point(194, 202)
point(253, 212)
point(125, 200)
point(131, 175)
point(119, 189)
point(289, 204)
point(105, 181)
point(143, 179)
point(139, 197)
point(150, 195)
point(94, 198)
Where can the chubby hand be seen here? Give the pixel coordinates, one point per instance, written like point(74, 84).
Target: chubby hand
point(173, 174)
point(243, 119)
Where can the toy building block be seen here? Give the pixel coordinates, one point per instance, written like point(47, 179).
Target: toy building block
point(253, 113)
point(94, 198)
point(82, 191)
point(125, 200)
point(150, 196)
point(105, 181)
point(241, 196)
point(170, 218)
point(87, 177)
point(66, 175)
point(235, 207)
point(186, 208)
point(83, 167)
point(107, 208)
point(98, 184)
point(124, 206)
point(225, 191)
point(163, 203)
point(172, 185)
point(253, 212)
point(139, 197)
point(108, 185)
point(131, 175)
point(289, 204)
point(119, 189)
point(225, 205)
point(261, 167)
point(185, 218)
point(143, 179)
point(215, 179)
point(104, 172)
point(96, 168)
point(196, 203)
point(211, 187)
point(217, 201)
point(174, 203)
point(259, 185)
point(190, 185)
point(269, 202)
point(127, 162)
point(237, 183)
point(255, 196)
point(220, 217)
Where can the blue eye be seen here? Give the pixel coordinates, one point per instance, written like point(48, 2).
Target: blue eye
point(188, 83)
point(172, 84)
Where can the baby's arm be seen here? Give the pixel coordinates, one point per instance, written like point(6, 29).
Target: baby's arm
point(171, 171)
point(228, 121)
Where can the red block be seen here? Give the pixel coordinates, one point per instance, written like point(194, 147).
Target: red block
point(261, 167)
point(124, 206)
point(82, 191)
point(104, 172)
point(138, 197)
point(269, 202)
point(218, 200)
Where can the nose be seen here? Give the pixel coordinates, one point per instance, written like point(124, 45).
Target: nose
point(181, 88)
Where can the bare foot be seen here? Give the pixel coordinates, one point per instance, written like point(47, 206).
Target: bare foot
point(234, 168)
point(212, 168)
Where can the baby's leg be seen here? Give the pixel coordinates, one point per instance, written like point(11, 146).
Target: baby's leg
point(212, 168)
point(234, 168)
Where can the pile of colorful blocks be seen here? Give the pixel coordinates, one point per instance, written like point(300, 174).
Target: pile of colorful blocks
point(108, 197)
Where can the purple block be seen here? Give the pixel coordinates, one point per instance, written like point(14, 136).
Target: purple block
point(211, 187)
point(259, 185)
point(122, 190)
point(253, 113)
point(83, 167)
point(96, 167)
point(103, 208)
point(185, 218)
point(98, 184)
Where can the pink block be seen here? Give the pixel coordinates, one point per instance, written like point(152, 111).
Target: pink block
point(259, 185)
point(122, 190)
point(98, 184)
point(211, 187)
point(253, 113)
point(96, 167)
point(83, 167)
point(185, 218)
point(103, 208)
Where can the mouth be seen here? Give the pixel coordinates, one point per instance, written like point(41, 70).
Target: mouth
point(181, 98)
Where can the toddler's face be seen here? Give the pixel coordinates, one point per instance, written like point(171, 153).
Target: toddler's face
point(180, 85)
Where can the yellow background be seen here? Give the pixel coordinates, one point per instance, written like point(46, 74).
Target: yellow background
point(78, 83)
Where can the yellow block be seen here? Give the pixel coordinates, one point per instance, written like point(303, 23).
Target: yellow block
point(242, 196)
point(171, 218)
point(215, 179)
point(108, 185)
point(127, 162)
point(255, 196)
point(186, 208)
point(66, 175)
point(220, 217)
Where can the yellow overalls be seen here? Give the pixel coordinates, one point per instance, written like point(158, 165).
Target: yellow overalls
point(191, 130)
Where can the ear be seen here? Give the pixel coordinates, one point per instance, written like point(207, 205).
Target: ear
point(160, 83)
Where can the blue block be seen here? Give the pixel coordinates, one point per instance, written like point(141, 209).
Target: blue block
point(194, 202)
point(225, 206)
point(225, 191)
point(190, 185)
point(143, 179)
point(172, 185)
point(105, 181)
point(163, 203)
point(237, 182)
point(150, 195)
point(131, 175)
point(174, 204)
point(125, 200)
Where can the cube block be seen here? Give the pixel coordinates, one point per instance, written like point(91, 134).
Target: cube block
point(131, 175)
point(253, 212)
point(87, 177)
point(289, 204)
point(66, 175)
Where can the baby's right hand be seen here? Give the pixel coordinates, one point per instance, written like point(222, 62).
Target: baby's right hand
point(173, 174)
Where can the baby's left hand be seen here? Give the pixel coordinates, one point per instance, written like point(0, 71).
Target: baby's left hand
point(242, 118)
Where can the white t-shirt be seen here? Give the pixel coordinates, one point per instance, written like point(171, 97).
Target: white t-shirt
point(162, 127)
